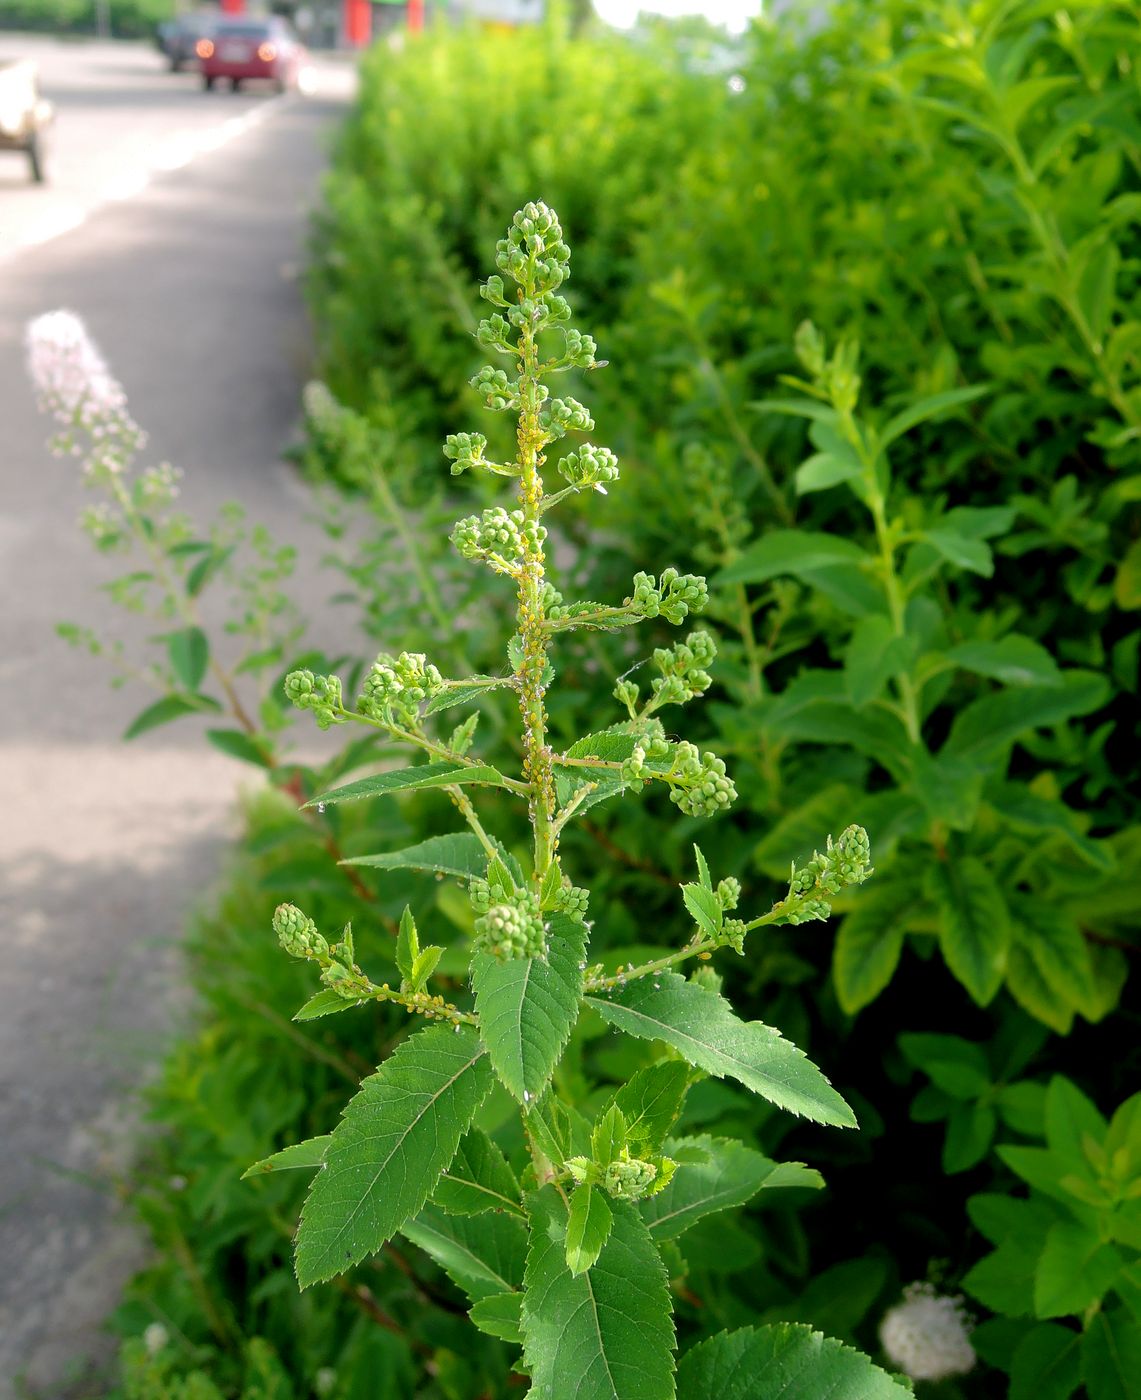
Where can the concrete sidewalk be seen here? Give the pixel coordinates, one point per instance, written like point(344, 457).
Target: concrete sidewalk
point(191, 290)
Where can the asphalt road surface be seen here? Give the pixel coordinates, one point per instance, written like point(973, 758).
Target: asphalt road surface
point(174, 225)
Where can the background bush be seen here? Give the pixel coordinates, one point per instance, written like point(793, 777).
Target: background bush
point(130, 19)
point(955, 188)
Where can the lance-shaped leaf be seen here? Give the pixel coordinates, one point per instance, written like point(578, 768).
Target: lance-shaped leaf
point(527, 1006)
point(779, 1362)
point(478, 1179)
point(301, 1156)
point(483, 1256)
point(714, 1174)
point(399, 1132)
point(588, 1226)
point(607, 1331)
point(465, 692)
point(650, 1100)
point(424, 775)
point(974, 923)
point(458, 854)
point(701, 1025)
point(323, 1003)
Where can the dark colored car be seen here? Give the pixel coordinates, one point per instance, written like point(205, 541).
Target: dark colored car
point(178, 38)
point(245, 47)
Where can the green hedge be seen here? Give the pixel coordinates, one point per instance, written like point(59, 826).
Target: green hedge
point(130, 19)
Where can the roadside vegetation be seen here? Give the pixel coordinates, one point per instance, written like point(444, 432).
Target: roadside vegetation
point(870, 303)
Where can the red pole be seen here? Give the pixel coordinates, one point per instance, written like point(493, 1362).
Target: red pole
point(415, 16)
point(358, 22)
point(233, 7)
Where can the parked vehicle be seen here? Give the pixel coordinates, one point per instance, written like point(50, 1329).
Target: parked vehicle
point(24, 115)
point(178, 38)
point(241, 48)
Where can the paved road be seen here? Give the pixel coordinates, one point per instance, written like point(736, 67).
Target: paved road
point(186, 276)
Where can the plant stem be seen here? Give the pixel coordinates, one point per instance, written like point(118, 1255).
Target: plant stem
point(530, 619)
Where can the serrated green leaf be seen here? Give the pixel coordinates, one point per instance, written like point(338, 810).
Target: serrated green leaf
point(713, 1174)
point(483, 1255)
point(1061, 954)
point(1004, 1279)
point(398, 1134)
point(206, 568)
point(650, 1101)
point(237, 744)
point(407, 944)
point(873, 655)
point(189, 652)
point(824, 469)
point(924, 409)
point(459, 854)
point(465, 693)
point(326, 1002)
point(868, 945)
point(301, 1156)
point(527, 1006)
point(1014, 660)
point(423, 966)
point(1071, 1118)
point(703, 875)
point(957, 1066)
point(608, 1136)
point(1025, 983)
point(785, 1360)
point(1046, 1364)
point(1111, 1355)
point(986, 728)
point(962, 551)
point(974, 925)
point(500, 1315)
point(701, 1025)
point(705, 908)
point(1075, 1269)
point(609, 1328)
point(970, 1131)
point(425, 775)
point(479, 1179)
point(588, 1227)
point(1096, 287)
point(170, 707)
point(797, 552)
point(612, 746)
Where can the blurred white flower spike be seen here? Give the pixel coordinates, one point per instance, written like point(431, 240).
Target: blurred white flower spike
point(928, 1335)
point(75, 385)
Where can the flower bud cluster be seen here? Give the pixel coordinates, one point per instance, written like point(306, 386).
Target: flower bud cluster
point(674, 596)
point(494, 333)
point(847, 861)
point(580, 350)
point(629, 1178)
point(562, 416)
point(573, 901)
point(589, 466)
point(654, 749)
point(683, 669)
point(497, 391)
point(321, 694)
point(512, 927)
point(298, 934)
point(502, 537)
point(464, 450)
point(698, 782)
point(534, 249)
point(396, 687)
point(728, 892)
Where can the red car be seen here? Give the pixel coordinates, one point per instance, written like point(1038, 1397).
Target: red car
point(243, 48)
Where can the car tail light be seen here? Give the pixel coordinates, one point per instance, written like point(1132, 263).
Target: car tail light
point(204, 48)
point(267, 52)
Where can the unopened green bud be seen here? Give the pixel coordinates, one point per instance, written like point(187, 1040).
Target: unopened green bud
point(629, 1179)
point(297, 933)
point(729, 892)
point(464, 450)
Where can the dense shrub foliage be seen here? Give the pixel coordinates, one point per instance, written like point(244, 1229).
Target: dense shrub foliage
point(129, 19)
point(873, 313)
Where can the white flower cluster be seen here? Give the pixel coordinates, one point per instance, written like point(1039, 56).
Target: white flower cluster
point(74, 384)
point(928, 1335)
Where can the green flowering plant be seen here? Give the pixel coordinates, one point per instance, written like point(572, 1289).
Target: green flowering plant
point(562, 1249)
